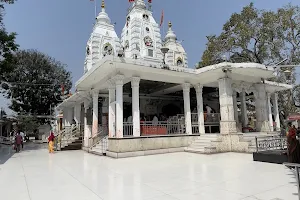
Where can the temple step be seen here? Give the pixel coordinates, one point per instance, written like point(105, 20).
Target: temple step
point(203, 144)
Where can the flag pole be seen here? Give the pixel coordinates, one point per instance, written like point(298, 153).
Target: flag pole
point(95, 8)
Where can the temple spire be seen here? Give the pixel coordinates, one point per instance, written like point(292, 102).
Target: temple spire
point(170, 34)
point(103, 5)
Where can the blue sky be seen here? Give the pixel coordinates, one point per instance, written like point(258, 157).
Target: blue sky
point(61, 28)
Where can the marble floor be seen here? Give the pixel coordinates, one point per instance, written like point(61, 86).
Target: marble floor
point(33, 174)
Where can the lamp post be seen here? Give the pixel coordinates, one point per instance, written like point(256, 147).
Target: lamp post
point(164, 50)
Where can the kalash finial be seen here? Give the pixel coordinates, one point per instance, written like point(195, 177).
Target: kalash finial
point(170, 24)
point(103, 4)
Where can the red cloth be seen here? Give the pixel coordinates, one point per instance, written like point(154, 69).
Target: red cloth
point(292, 132)
point(18, 139)
point(51, 137)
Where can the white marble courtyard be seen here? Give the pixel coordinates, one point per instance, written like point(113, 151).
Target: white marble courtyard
point(76, 175)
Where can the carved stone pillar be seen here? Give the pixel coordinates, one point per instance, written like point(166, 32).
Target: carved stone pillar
point(235, 107)
point(95, 112)
point(262, 123)
point(270, 112)
point(244, 108)
point(199, 92)
point(119, 105)
point(276, 112)
point(111, 109)
point(77, 113)
point(187, 107)
point(87, 128)
point(228, 123)
point(135, 85)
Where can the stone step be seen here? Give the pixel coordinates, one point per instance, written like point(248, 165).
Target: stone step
point(99, 153)
point(199, 145)
point(209, 135)
point(193, 150)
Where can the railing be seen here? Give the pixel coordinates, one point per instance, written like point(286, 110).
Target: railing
point(102, 133)
point(157, 128)
point(6, 140)
point(68, 135)
point(296, 166)
point(270, 143)
point(211, 118)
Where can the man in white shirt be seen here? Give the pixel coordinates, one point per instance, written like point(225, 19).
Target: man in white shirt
point(23, 138)
point(208, 112)
point(208, 109)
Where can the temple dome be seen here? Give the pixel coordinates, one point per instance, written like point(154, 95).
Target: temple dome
point(103, 40)
point(176, 55)
point(141, 38)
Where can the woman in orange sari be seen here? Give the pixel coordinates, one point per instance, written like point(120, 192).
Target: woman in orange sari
point(51, 142)
point(293, 145)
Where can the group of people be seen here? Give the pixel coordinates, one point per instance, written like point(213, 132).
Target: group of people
point(19, 138)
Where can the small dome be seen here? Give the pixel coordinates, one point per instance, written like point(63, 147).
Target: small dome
point(176, 55)
point(170, 34)
point(103, 16)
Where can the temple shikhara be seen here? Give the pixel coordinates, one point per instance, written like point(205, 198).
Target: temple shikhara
point(138, 95)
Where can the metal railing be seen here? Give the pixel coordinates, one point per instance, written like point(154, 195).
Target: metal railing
point(68, 135)
point(6, 140)
point(158, 128)
point(296, 167)
point(102, 133)
point(211, 118)
point(267, 143)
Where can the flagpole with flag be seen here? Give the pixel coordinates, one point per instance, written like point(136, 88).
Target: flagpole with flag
point(162, 21)
point(95, 3)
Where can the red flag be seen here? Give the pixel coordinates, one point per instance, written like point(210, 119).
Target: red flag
point(149, 1)
point(131, 1)
point(162, 18)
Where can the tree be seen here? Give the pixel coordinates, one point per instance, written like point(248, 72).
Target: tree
point(7, 45)
point(28, 124)
point(260, 36)
point(35, 83)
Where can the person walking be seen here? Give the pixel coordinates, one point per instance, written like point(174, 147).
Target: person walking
point(293, 145)
point(18, 142)
point(51, 139)
point(23, 138)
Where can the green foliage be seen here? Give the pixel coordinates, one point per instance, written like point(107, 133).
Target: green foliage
point(27, 124)
point(260, 36)
point(35, 83)
point(7, 48)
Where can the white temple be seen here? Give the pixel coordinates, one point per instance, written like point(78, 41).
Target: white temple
point(139, 91)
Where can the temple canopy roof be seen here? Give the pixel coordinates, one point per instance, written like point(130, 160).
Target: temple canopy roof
point(168, 81)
